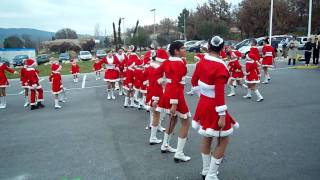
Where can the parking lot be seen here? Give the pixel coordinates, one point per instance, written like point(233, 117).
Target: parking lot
point(93, 138)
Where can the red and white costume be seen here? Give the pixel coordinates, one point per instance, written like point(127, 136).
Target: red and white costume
point(97, 66)
point(252, 69)
point(56, 79)
point(268, 55)
point(210, 76)
point(3, 78)
point(36, 91)
point(254, 50)
point(175, 70)
point(122, 61)
point(112, 69)
point(138, 76)
point(75, 69)
point(23, 77)
point(235, 67)
point(129, 68)
point(223, 55)
point(199, 56)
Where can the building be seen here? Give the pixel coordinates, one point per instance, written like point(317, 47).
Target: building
point(10, 53)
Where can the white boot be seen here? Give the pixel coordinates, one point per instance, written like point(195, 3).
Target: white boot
point(232, 93)
point(259, 96)
point(150, 120)
point(126, 102)
point(214, 166)
point(56, 104)
point(74, 80)
point(108, 92)
point(206, 159)
point(2, 103)
point(165, 147)
point(153, 136)
point(179, 155)
point(244, 86)
point(132, 104)
point(26, 101)
point(268, 76)
point(120, 90)
point(112, 94)
point(265, 80)
point(63, 96)
point(162, 116)
point(248, 96)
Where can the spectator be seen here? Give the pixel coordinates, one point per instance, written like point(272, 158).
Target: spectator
point(316, 48)
point(307, 52)
point(293, 50)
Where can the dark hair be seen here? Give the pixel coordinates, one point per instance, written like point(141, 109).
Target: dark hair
point(176, 45)
point(266, 40)
point(254, 41)
point(212, 48)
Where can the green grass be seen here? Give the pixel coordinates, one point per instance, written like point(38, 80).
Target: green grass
point(85, 67)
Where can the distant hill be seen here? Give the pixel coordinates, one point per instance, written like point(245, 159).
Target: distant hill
point(35, 34)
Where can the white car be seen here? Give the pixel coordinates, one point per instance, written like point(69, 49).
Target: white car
point(85, 56)
point(246, 48)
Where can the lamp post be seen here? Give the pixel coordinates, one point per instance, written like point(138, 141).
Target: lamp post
point(184, 26)
point(270, 21)
point(310, 17)
point(124, 35)
point(154, 20)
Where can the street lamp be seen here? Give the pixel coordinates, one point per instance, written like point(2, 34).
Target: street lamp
point(310, 17)
point(154, 20)
point(184, 26)
point(124, 35)
point(270, 22)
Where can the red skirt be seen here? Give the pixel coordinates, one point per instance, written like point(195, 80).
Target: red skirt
point(206, 119)
point(154, 93)
point(129, 78)
point(4, 83)
point(252, 78)
point(111, 75)
point(56, 88)
point(267, 61)
point(237, 75)
point(165, 105)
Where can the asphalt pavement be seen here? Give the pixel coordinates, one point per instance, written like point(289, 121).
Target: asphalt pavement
point(92, 138)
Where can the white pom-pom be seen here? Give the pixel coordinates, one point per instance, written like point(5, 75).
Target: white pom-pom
point(216, 41)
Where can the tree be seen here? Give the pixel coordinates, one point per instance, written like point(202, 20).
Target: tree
point(114, 35)
point(141, 39)
point(66, 33)
point(88, 45)
point(119, 34)
point(13, 42)
point(28, 43)
point(107, 42)
point(185, 13)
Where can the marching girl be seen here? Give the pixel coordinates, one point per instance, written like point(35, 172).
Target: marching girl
point(173, 101)
point(254, 50)
point(24, 84)
point(252, 77)
point(4, 83)
point(36, 91)
point(111, 75)
point(267, 62)
point(97, 68)
point(235, 70)
point(138, 82)
point(57, 87)
point(122, 60)
point(129, 79)
point(75, 70)
point(211, 118)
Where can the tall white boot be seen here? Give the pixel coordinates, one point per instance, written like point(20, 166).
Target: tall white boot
point(206, 159)
point(165, 147)
point(26, 101)
point(121, 90)
point(108, 92)
point(63, 96)
point(248, 96)
point(232, 93)
point(244, 86)
point(112, 94)
point(150, 120)
point(213, 169)
point(135, 95)
point(268, 76)
point(259, 96)
point(56, 104)
point(266, 81)
point(2, 103)
point(179, 156)
point(126, 102)
point(132, 104)
point(162, 116)
point(153, 136)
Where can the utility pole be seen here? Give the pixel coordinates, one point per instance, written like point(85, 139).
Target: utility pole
point(184, 26)
point(124, 35)
point(310, 17)
point(270, 22)
point(154, 20)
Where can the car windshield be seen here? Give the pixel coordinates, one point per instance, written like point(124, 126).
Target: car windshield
point(64, 55)
point(84, 53)
point(101, 52)
point(21, 57)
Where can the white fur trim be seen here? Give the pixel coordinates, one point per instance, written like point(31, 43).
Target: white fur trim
point(160, 59)
point(155, 98)
point(143, 91)
point(207, 86)
point(252, 82)
point(167, 111)
point(174, 101)
point(3, 86)
point(236, 78)
point(171, 58)
point(211, 132)
point(57, 92)
point(269, 66)
point(215, 59)
point(222, 108)
point(112, 80)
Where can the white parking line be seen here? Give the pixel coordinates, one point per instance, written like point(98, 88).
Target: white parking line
point(84, 81)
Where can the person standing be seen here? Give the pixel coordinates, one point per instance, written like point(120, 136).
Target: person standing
point(293, 50)
point(122, 57)
point(211, 118)
point(267, 61)
point(4, 83)
point(75, 70)
point(316, 48)
point(308, 51)
point(24, 84)
point(57, 87)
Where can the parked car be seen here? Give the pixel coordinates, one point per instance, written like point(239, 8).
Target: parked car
point(18, 60)
point(245, 42)
point(64, 57)
point(85, 56)
point(189, 44)
point(302, 41)
point(230, 43)
point(196, 46)
point(5, 61)
point(246, 46)
point(42, 58)
point(101, 53)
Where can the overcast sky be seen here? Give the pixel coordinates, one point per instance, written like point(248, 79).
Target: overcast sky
point(82, 16)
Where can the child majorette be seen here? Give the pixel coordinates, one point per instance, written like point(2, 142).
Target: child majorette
point(154, 92)
point(129, 79)
point(122, 57)
point(56, 86)
point(211, 118)
point(111, 75)
point(24, 83)
point(252, 76)
point(254, 50)
point(4, 83)
point(75, 70)
point(138, 86)
point(235, 70)
point(97, 68)
point(267, 61)
point(173, 101)
point(36, 91)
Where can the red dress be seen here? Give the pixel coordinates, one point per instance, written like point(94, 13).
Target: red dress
point(175, 70)
point(112, 69)
point(211, 75)
point(129, 70)
point(34, 85)
point(23, 77)
point(268, 55)
point(97, 66)
point(254, 50)
point(3, 78)
point(122, 61)
point(56, 80)
point(252, 69)
point(223, 55)
point(154, 79)
point(75, 69)
point(235, 67)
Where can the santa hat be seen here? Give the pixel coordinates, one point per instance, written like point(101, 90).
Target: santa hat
point(30, 63)
point(162, 55)
point(55, 68)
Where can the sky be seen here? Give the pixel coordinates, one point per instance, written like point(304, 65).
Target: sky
point(82, 16)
